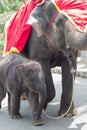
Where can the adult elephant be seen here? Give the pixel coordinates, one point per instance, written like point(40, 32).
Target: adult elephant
point(43, 46)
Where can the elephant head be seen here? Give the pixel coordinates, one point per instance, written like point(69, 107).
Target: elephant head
point(44, 21)
point(59, 31)
point(30, 74)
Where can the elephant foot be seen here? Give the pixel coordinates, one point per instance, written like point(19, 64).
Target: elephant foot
point(38, 122)
point(16, 116)
point(69, 114)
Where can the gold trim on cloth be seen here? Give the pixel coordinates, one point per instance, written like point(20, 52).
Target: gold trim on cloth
point(12, 50)
point(56, 6)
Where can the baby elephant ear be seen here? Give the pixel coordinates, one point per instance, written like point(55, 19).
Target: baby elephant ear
point(36, 25)
point(18, 72)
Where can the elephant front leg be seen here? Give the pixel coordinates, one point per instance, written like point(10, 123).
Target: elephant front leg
point(34, 102)
point(67, 91)
point(15, 106)
point(9, 103)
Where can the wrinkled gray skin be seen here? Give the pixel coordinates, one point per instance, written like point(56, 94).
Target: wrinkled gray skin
point(73, 37)
point(43, 45)
point(19, 74)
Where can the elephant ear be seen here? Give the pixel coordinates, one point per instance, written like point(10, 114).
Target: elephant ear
point(36, 25)
point(18, 72)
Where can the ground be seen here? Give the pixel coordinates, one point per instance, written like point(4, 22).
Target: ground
point(78, 122)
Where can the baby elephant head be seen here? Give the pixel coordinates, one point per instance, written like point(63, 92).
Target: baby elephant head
point(30, 72)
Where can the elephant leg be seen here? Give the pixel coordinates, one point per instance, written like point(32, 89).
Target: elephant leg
point(15, 106)
point(42, 97)
point(48, 81)
point(34, 102)
point(9, 103)
point(67, 90)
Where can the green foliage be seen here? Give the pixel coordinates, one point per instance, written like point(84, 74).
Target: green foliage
point(4, 6)
point(9, 5)
point(14, 5)
point(1, 41)
point(7, 8)
point(3, 19)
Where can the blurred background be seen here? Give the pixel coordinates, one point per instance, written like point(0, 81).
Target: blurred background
point(7, 8)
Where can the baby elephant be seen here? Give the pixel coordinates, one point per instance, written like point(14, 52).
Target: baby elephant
point(18, 75)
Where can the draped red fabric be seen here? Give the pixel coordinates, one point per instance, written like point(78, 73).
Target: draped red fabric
point(76, 9)
point(17, 31)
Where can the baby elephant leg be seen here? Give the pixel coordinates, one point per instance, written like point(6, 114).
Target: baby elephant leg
point(15, 106)
point(34, 102)
point(9, 103)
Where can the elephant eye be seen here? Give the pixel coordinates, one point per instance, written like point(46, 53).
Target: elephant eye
point(59, 22)
point(59, 25)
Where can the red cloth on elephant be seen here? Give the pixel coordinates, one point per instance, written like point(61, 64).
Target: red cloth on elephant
point(17, 31)
point(76, 10)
